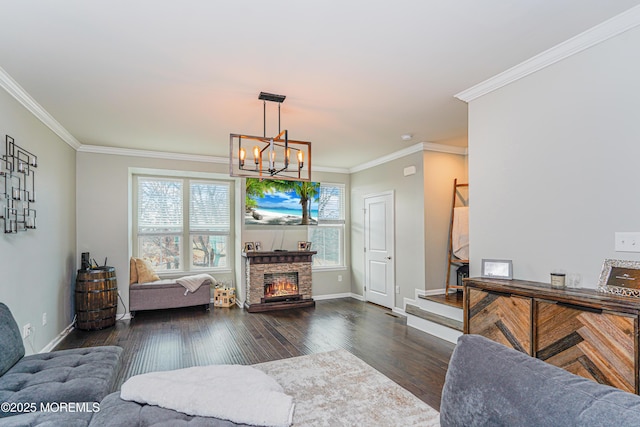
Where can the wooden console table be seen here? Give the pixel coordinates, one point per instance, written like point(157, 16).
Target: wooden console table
point(586, 332)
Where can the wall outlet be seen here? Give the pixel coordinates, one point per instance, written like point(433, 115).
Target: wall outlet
point(44, 319)
point(339, 277)
point(627, 242)
point(397, 289)
point(26, 330)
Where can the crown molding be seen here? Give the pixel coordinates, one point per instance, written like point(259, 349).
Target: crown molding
point(601, 32)
point(116, 151)
point(14, 89)
point(441, 148)
point(419, 147)
point(330, 169)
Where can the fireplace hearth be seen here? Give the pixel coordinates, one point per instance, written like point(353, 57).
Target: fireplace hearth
point(278, 280)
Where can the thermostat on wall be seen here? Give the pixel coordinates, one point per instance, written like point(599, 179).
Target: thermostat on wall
point(409, 170)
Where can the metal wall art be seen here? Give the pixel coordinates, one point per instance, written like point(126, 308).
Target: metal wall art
point(17, 171)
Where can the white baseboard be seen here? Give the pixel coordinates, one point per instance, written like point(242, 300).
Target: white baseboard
point(399, 311)
point(356, 296)
point(58, 339)
point(434, 329)
point(335, 296)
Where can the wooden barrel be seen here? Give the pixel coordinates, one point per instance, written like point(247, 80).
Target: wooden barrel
point(96, 298)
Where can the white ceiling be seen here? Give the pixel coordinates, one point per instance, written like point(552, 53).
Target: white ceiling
point(179, 76)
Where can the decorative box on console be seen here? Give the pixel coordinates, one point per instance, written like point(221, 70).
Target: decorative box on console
point(278, 280)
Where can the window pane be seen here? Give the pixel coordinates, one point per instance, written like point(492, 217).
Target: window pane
point(162, 251)
point(331, 202)
point(159, 205)
point(209, 207)
point(327, 241)
point(209, 251)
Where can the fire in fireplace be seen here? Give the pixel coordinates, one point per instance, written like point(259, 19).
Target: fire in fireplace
point(280, 286)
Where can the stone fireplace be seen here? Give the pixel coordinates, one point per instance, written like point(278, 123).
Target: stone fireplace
point(278, 280)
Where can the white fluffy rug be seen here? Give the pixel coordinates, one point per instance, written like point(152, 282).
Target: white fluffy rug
point(338, 389)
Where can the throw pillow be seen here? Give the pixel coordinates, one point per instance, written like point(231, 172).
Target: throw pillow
point(133, 271)
point(145, 271)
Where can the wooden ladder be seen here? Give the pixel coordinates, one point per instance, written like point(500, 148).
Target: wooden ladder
point(451, 259)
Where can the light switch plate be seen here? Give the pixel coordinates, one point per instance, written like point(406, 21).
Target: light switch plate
point(627, 241)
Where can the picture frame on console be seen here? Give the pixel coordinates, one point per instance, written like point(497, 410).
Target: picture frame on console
point(248, 246)
point(497, 269)
point(257, 246)
point(620, 277)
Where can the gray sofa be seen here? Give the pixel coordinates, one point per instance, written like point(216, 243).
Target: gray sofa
point(81, 377)
point(71, 386)
point(488, 384)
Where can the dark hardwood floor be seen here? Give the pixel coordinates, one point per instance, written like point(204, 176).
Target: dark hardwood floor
point(180, 338)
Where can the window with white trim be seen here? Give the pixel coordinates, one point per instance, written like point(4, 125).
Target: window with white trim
point(327, 238)
point(182, 224)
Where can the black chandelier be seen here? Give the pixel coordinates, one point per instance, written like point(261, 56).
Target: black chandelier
point(272, 157)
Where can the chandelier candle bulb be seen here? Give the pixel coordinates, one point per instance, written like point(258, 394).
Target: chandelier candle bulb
point(272, 157)
point(300, 159)
point(256, 154)
point(242, 156)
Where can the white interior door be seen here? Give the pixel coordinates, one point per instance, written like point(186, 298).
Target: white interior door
point(379, 249)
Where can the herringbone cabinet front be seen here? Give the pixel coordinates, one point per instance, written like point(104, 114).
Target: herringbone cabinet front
point(588, 333)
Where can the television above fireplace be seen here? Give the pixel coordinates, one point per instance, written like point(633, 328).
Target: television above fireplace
point(275, 202)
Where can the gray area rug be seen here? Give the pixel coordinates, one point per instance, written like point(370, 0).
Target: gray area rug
point(338, 389)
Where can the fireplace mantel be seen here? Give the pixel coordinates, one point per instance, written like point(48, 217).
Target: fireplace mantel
point(273, 257)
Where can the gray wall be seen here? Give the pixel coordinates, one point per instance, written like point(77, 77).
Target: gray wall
point(422, 209)
point(409, 214)
point(553, 163)
point(103, 199)
point(103, 225)
point(440, 170)
point(38, 266)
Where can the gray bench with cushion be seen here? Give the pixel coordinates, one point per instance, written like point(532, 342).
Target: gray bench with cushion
point(488, 384)
point(77, 375)
point(166, 293)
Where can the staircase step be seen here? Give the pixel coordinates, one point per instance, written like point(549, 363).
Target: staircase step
point(452, 299)
point(435, 318)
